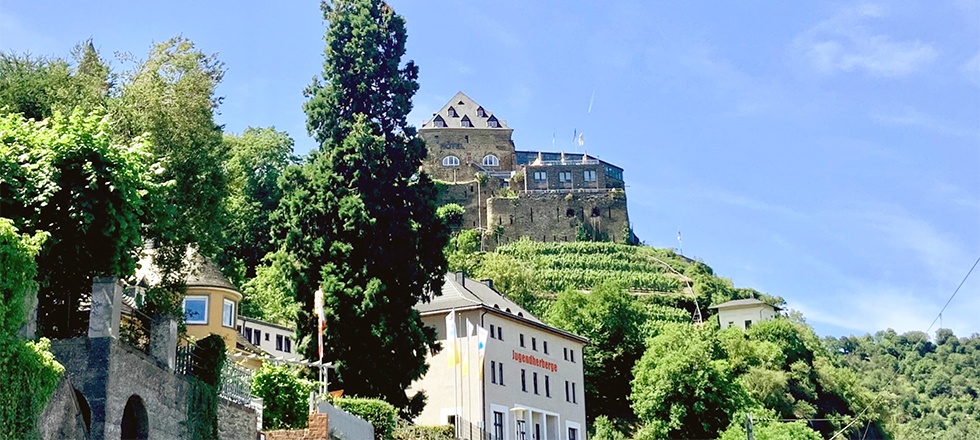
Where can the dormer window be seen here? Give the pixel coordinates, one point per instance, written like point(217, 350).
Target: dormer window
point(465, 122)
point(439, 122)
point(492, 122)
point(480, 112)
point(452, 113)
point(491, 161)
point(450, 161)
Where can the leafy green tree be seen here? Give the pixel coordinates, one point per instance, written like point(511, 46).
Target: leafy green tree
point(681, 388)
point(66, 176)
point(358, 219)
point(605, 429)
point(29, 372)
point(256, 160)
point(613, 323)
point(269, 296)
point(766, 426)
point(170, 97)
point(31, 85)
point(284, 394)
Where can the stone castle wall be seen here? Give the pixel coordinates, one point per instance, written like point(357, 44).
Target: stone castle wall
point(558, 215)
point(539, 215)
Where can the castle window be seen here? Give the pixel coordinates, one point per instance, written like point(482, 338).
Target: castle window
point(491, 161)
point(565, 176)
point(480, 112)
point(540, 176)
point(590, 175)
point(492, 122)
point(439, 122)
point(450, 161)
point(465, 122)
point(452, 113)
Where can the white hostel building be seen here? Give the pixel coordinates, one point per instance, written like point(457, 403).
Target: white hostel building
point(526, 382)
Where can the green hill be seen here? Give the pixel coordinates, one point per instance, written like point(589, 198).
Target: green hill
point(653, 369)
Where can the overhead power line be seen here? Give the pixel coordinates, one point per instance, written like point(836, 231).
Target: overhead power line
point(953, 295)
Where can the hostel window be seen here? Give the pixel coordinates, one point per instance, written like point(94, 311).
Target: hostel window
point(452, 112)
point(748, 322)
point(565, 176)
point(279, 344)
point(571, 355)
point(481, 112)
point(500, 333)
point(574, 400)
point(465, 122)
point(439, 122)
point(289, 345)
point(500, 372)
point(492, 122)
point(565, 351)
point(545, 346)
point(540, 176)
point(523, 380)
point(228, 313)
point(522, 339)
point(196, 309)
point(258, 337)
point(450, 161)
point(498, 425)
point(534, 344)
point(590, 175)
point(491, 160)
point(493, 372)
point(567, 395)
point(493, 334)
point(572, 434)
point(535, 380)
point(547, 386)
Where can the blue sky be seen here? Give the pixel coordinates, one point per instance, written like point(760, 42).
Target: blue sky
point(827, 152)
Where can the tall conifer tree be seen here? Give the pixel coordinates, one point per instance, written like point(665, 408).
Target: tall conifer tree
point(358, 218)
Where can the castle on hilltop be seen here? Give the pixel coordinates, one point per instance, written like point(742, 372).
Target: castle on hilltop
point(509, 194)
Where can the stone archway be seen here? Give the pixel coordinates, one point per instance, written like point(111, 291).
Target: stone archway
point(85, 409)
point(135, 424)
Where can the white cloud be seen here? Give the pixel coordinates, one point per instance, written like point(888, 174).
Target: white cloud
point(915, 118)
point(844, 43)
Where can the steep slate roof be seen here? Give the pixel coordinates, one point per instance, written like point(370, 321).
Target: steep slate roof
point(742, 303)
point(463, 106)
point(461, 293)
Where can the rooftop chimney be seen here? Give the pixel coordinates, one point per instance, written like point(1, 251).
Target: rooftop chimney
point(488, 282)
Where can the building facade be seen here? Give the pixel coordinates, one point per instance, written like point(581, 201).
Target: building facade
point(274, 339)
point(525, 383)
point(547, 196)
point(742, 313)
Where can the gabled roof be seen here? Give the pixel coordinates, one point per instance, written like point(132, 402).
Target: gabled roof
point(463, 106)
point(461, 293)
point(742, 303)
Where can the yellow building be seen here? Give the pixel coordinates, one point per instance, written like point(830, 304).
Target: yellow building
point(210, 305)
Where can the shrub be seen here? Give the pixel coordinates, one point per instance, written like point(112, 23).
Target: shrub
point(29, 374)
point(284, 394)
point(377, 412)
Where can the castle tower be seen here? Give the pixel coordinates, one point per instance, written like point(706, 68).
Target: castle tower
point(463, 138)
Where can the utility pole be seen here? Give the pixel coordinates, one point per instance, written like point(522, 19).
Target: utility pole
point(749, 435)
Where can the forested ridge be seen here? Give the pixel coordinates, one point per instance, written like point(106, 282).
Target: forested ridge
point(653, 372)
